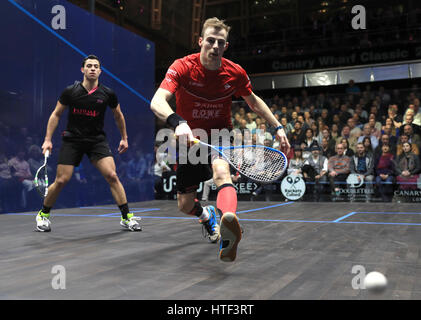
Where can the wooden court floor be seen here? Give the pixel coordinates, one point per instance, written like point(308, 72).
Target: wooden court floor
point(292, 251)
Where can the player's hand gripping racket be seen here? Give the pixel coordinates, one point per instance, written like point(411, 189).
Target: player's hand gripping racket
point(257, 162)
point(41, 177)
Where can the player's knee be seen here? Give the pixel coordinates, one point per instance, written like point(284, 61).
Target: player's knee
point(111, 177)
point(62, 180)
point(221, 173)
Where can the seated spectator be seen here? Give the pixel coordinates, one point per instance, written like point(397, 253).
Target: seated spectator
point(9, 187)
point(338, 168)
point(315, 170)
point(347, 150)
point(413, 138)
point(376, 127)
point(384, 169)
point(405, 139)
point(414, 109)
point(354, 130)
point(407, 168)
point(363, 164)
point(22, 172)
point(251, 124)
point(297, 162)
point(409, 119)
point(297, 136)
point(310, 140)
point(392, 113)
point(262, 134)
point(393, 129)
point(351, 140)
point(367, 133)
point(326, 149)
point(288, 127)
point(368, 146)
point(334, 132)
point(385, 139)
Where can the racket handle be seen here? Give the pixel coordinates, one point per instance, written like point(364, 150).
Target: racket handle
point(47, 153)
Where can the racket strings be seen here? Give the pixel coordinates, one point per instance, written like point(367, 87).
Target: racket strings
point(258, 163)
point(41, 181)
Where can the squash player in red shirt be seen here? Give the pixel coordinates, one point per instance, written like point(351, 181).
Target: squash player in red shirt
point(204, 84)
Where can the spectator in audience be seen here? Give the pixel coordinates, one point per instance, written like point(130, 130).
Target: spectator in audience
point(262, 134)
point(354, 131)
point(405, 139)
point(352, 88)
point(414, 109)
point(315, 171)
point(384, 169)
point(413, 138)
point(407, 168)
point(297, 162)
point(9, 187)
point(334, 132)
point(363, 164)
point(327, 150)
point(288, 127)
point(368, 146)
point(251, 124)
point(310, 140)
point(347, 150)
point(392, 113)
point(409, 119)
point(22, 172)
point(393, 130)
point(367, 134)
point(385, 139)
point(375, 127)
point(297, 136)
point(339, 168)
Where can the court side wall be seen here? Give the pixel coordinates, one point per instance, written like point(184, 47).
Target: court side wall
point(43, 45)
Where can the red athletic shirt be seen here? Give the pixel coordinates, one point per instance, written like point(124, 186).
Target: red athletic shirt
point(203, 96)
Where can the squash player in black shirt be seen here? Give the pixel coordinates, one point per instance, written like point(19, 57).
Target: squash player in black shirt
point(87, 102)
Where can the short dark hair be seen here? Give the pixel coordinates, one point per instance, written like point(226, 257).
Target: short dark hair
point(91, 56)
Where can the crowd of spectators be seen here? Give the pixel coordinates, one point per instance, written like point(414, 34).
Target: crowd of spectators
point(372, 133)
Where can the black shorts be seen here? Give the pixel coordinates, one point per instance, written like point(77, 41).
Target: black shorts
point(72, 150)
point(189, 176)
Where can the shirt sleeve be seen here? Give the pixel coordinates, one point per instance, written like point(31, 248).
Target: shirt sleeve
point(65, 97)
point(172, 78)
point(244, 87)
point(112, 99)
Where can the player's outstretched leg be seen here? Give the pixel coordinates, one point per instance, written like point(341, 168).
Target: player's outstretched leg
point(230, 229)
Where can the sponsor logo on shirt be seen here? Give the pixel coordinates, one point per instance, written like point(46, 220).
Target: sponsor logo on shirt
point(172, 72)
point(196, 84)
point(206, 114)
point(85, 112)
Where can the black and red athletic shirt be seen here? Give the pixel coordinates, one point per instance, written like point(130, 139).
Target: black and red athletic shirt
point(87, 109)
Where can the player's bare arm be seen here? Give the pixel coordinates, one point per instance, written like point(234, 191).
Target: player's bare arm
point(121, 124)
point(260, 107)
point(51, 126)
point(161, 108)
